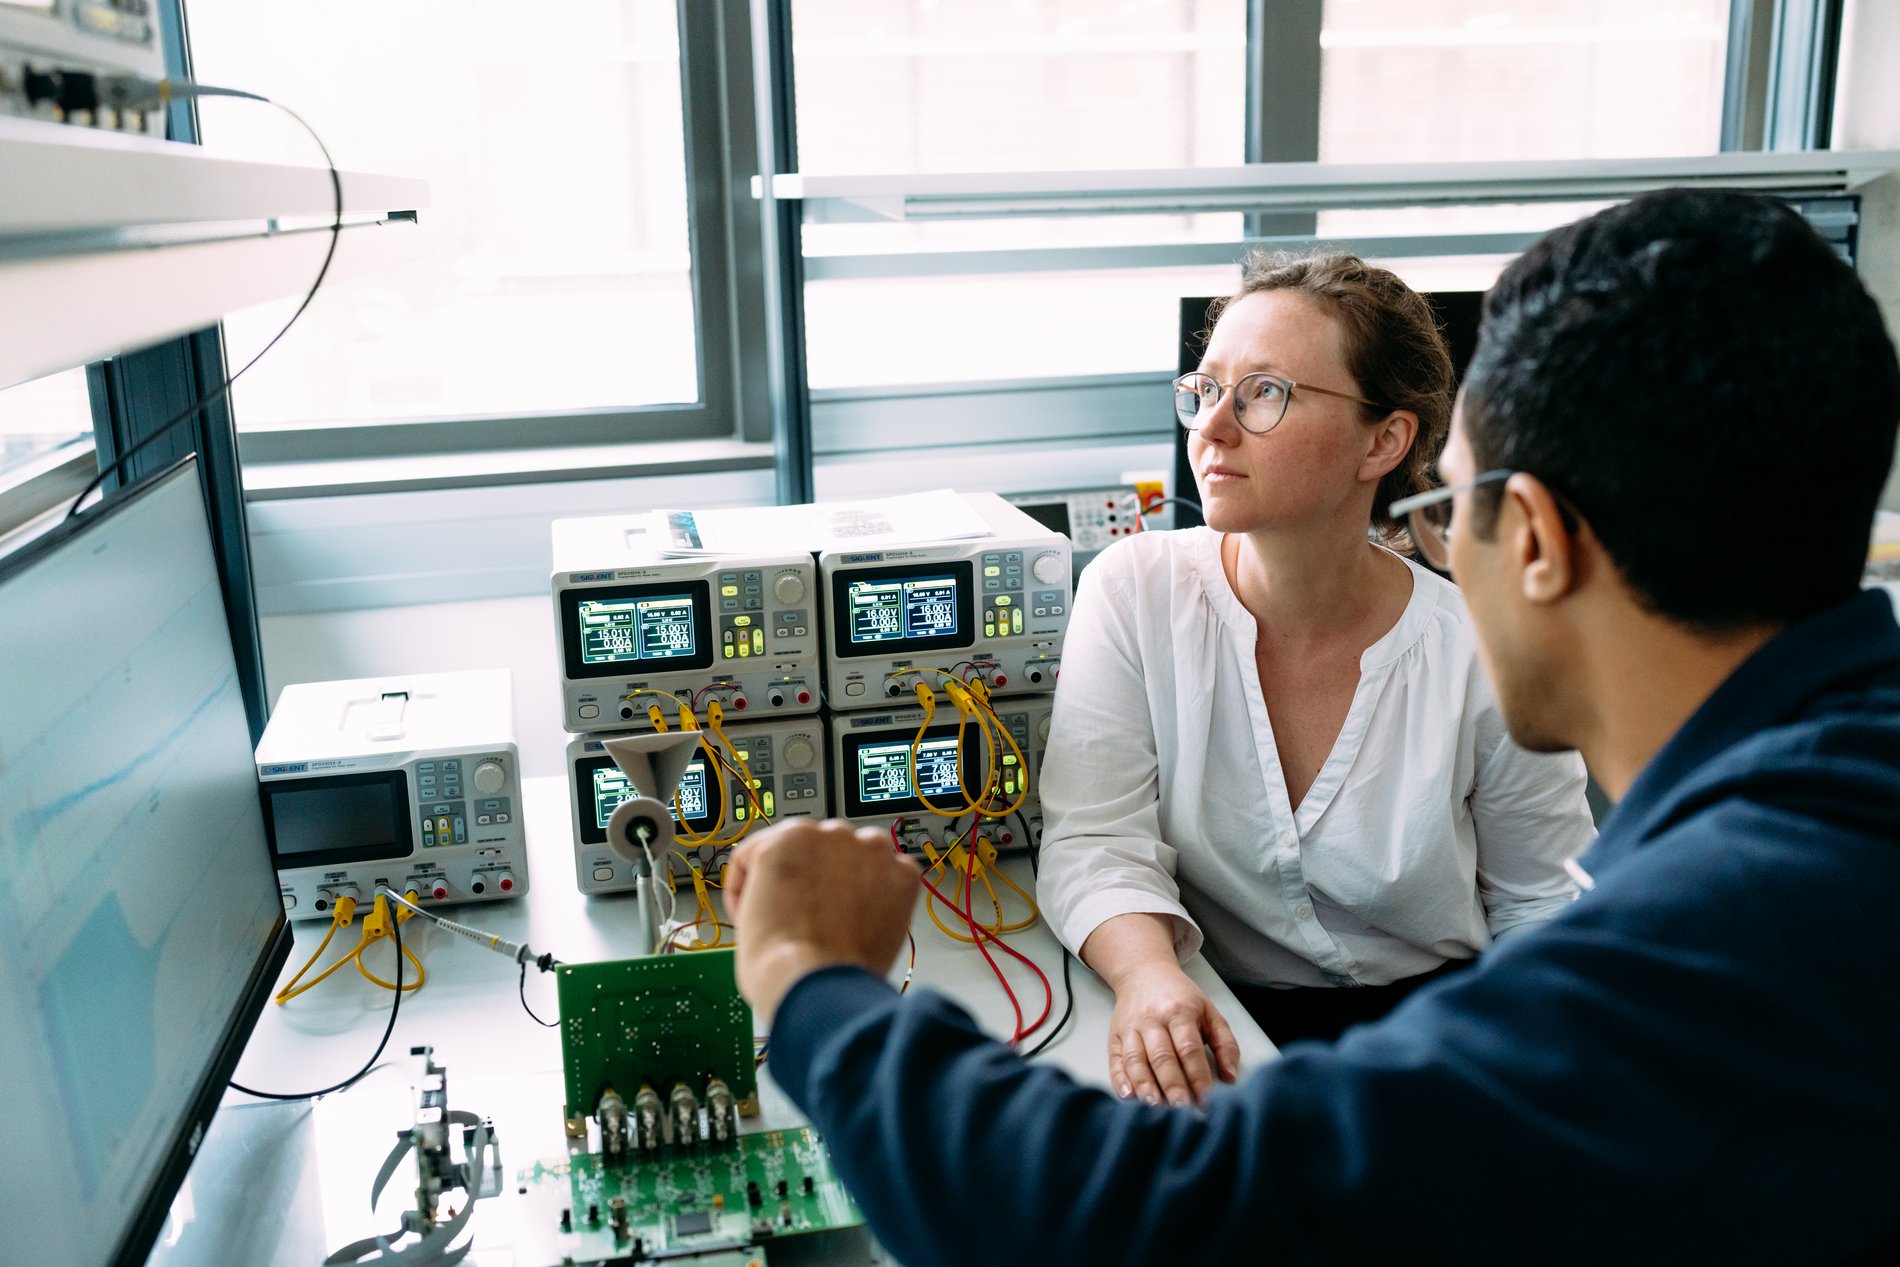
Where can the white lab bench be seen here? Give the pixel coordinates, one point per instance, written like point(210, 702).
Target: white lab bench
point(288, 1183)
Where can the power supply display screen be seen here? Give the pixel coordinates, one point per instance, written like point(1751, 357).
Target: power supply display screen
point(619, 630)
point(880, 782)
point(636, 630)
point(892, 611)
point(884, 771)
point(337, 819)
point(896, 610)
point(610, 787)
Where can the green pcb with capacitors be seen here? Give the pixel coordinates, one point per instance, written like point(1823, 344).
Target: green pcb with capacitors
point(658, 1053)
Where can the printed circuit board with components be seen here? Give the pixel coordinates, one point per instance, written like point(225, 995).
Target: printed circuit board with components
point(657, 1056)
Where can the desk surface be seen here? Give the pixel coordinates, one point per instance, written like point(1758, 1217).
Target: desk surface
point(287, 1183)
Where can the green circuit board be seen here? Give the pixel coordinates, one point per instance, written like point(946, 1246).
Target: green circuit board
point(653, 1021)
point(681, 1202)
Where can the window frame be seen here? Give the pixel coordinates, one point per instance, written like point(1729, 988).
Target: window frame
point(722, 223)
point(1782, 58)
point(756, 408)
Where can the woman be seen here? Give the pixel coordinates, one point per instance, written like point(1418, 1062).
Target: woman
point(1272, 741)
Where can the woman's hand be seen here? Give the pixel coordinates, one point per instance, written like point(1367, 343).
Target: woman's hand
point(1159, 1033)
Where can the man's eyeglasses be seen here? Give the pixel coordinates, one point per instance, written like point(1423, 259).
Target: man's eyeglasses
point(1428, 516)
point(1259, 399)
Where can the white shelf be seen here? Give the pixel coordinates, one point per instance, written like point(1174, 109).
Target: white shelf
point(110, 243)
point(1312, 186)
point(70, 179)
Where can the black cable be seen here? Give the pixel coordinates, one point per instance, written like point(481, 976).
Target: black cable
point(1068, 985)
point(336, 232)
point(524, 998)
point(1155, 506)
point(1068, 1007)
point(395, 1007)
point(1029, 842)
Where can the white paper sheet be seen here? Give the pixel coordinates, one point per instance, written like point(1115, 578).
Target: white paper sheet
point(938, 515)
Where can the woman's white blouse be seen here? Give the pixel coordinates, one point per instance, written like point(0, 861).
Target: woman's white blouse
point(1427, 834)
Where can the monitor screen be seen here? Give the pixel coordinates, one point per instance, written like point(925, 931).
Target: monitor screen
point(627, 630)
point(899, 610)
point(335, 819)
point(140, 912)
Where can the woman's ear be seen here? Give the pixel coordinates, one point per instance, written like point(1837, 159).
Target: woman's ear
point(1391, 439)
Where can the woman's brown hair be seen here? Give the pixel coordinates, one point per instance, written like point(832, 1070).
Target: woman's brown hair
point(1394, 351)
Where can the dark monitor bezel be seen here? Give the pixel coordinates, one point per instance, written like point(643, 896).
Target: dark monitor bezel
point(853, 744)
point(404, 845)
point(1058, 510)
point(153, 1206)
point(962, 570)
point(584, 769)
point(698, 589)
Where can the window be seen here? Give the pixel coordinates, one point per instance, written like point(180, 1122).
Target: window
point(41, 422)
point(931, 86)
point(558, 269)
point(1454, 80)
point(1017, 85)
point(1487, 80)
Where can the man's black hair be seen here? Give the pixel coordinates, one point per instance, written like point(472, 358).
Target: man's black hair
point(1709, 386)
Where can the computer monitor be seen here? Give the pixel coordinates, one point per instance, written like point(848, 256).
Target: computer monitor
point(1458, 313)
point(140, 923)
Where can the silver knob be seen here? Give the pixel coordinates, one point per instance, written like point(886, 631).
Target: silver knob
point(1049, 568)
point(798, 752)
point(789, 588)
point(489, 776)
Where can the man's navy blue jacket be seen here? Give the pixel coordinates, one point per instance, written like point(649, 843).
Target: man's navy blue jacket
point(1698, 1062)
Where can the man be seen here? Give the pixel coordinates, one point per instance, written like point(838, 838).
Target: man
point(1667, 456)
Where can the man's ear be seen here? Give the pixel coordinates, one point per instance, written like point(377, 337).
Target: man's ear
point(1392, 438)
point(1543, 549)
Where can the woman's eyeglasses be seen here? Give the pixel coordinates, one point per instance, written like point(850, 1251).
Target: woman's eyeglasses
point(1259, 399)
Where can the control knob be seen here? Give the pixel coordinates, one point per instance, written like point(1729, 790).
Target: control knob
point(1042, 730)
point(798, 752)
point(489, 777)
point(789, 588)
point(1049, 568)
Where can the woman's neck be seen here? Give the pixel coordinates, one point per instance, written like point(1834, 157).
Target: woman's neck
point(1310, 586)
